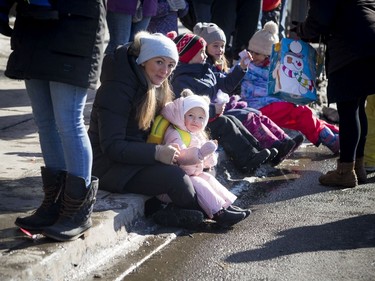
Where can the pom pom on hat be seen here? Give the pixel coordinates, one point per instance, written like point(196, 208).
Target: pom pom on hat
point(210, 32)
point(262, 40)
point(188, 45)
point(156, 45)
point(192, 101)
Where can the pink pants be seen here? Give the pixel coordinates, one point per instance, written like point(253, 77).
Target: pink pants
point(211, 194)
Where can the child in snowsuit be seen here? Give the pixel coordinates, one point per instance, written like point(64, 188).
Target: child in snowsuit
point(285, 114)
point(189, 115)
point(193, 73)
point(268, 134)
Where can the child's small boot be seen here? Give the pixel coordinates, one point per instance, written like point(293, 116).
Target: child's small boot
point(298, 139)
point(237, 209)
point(344, 176)
point(228, 218)
point(285, 147)
point(360, 171)
point(256, 159)
point(330, 139)
point(174, 216)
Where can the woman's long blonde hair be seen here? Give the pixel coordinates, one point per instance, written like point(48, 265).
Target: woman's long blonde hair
point(155, 98)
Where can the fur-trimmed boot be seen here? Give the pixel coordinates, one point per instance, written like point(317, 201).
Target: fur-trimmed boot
point(360, 171)
point(344, 176)
point(77, 206)
point(48, 212)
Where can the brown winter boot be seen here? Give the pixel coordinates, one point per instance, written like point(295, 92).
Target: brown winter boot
point(76, 208)
point(48, 212)
point(343, 177)
point(360, 170)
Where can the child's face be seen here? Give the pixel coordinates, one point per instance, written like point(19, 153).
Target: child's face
point(259, 59)
point(216, 50)
point(200, 57)
point(194, 119)
point(158, 69)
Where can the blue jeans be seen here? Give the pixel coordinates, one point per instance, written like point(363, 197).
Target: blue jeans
point(122, 30)
point(58, 114)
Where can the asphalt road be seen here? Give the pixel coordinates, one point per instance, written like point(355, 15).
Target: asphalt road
point(299, 230)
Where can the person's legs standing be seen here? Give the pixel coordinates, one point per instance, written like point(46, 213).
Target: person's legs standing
point(246, 24)
point(77, 195)
point(283, 15)
point(54, 172)
point(58, 112)
point(202, 10)
point(119, 28)
point(350, 129)
point(227, 23)
point(138, 26)
point(39, 93)
point(350, 135)
point(68, 103)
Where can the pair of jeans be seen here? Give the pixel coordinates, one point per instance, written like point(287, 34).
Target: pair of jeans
point(122, 30)
point(58, 114)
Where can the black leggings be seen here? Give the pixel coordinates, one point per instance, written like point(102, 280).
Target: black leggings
point(353, 129)
point(165, 179)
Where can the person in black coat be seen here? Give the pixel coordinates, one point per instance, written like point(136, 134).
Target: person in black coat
point(57, 49)
point(134, 88)
point(348, 28)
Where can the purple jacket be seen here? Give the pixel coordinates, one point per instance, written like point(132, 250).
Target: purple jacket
point(129, 7)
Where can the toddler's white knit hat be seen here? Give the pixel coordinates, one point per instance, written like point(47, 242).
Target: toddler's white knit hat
point(157, 45)
point(210, 32)
point(196, 101)
point(262, 40)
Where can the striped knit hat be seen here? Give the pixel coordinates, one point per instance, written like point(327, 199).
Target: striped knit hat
point(188, 45)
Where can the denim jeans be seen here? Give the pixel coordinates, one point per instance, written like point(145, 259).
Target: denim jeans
point(122, 30)
point(58, 114)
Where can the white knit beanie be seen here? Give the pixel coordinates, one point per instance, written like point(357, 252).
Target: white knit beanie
point(210, 32)
point(157, 45)
point(196, 101)
point(262, 40)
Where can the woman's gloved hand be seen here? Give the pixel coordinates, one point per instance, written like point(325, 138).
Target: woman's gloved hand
point(167, 153)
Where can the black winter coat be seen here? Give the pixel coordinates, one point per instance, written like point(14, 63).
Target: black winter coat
point(119, 146)
point(68, 49)
point(348, 27)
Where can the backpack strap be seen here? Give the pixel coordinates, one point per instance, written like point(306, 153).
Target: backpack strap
point(158, 129)
point(185, 136)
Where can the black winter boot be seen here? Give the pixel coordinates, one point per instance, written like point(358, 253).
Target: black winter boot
point(285, 148)
point(228, 218)
point(77, 206)
point(234, 208)
point(174, 216)
point(48, 212)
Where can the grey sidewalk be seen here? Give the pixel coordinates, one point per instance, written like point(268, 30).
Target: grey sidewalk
point(21, 258)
